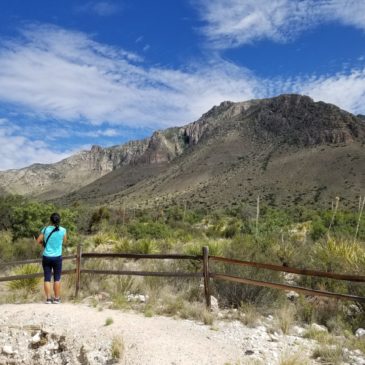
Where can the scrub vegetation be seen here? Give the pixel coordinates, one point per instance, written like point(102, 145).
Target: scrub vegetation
point(298, 237)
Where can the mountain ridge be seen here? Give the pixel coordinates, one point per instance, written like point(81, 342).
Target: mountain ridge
point(250, 136)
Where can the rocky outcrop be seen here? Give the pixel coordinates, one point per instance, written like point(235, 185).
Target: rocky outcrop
point(298, 120)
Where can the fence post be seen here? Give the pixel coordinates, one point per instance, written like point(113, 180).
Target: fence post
point(206, 275)
point(78, 269)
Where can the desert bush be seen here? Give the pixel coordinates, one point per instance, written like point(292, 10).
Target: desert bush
point(6, 246)
point(149, 230)
point(232, 294)
point(26, 248)
point(29, 285)
point(109, 321)
point(7, 205)
point(28, 218)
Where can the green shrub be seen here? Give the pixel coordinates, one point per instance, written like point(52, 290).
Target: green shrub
point(109, 321)
point(6, 246)
point(26, 248)
point(149, 230)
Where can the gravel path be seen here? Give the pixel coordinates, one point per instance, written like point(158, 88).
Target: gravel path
point(77, 334)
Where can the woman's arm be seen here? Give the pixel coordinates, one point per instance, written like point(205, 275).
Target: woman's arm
point(64, 239)
point(40, 239)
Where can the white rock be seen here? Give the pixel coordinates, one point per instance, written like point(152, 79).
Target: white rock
point(274, 337)
point(298, 331)
point(353, 309)
point(214, 304)
point(318, 328)
point(292, 295)
point(142, 298)
point(261, 329)
point(7, 350)
point(360, 332)
point(36, 338)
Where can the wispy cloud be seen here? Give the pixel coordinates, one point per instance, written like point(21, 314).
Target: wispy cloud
point(346, 90)
point(66, 75)
point(18, 151)
point(109, 132)
point(101, 8)
point(54, 74)
point(231, 23)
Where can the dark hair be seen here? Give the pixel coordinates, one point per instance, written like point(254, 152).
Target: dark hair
point(56, 219)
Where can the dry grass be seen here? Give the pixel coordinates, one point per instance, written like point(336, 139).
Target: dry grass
point(248, 315)
point(285, 317)
point(297, 358)
point(329, 354)
point(117, 348)
point(197, 311)
point(321, 337)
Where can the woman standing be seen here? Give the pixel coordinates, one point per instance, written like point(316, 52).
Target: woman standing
point(52, 238)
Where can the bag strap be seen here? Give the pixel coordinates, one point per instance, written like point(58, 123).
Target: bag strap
point(49, 236)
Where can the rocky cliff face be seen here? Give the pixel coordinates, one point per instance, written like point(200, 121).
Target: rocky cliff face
point(70, 173)
point(298, 120)
point(287, 119)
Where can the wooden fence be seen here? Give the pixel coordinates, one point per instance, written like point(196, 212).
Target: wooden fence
point(205, 272)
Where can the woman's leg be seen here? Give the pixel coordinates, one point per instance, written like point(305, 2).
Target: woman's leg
point(47, 289)
point(47, 269)
point(57, 289)
point(57, 269)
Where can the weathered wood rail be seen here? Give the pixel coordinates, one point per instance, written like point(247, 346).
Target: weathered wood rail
point(205, 272)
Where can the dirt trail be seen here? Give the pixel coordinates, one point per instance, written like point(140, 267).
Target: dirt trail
point(153, 341)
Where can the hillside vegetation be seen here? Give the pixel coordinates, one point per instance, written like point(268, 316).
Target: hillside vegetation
point(299, 237)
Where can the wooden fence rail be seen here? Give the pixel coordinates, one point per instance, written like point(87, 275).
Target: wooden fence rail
point(205, 273)
point(292, 270)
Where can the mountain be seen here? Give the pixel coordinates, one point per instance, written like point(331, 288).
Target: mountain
point(288, 149)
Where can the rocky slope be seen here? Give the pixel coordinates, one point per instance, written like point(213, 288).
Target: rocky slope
point(288, 149)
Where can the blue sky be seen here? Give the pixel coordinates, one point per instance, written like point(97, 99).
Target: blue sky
point(77, 73)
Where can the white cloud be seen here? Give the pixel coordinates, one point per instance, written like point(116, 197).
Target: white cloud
point(109, 132)
point(66, 75)
point(17, 151)
point(344, 90)
point(231, 23)
point(101, 8)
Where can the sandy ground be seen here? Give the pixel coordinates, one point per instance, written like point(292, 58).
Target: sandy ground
point(153, 341)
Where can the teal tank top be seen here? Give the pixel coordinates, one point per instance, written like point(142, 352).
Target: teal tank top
point(54, 244)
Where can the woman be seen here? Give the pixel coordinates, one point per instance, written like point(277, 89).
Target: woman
point(52, 238)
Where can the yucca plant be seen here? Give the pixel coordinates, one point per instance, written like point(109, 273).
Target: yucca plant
point(341, 254)
point(30, 285)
